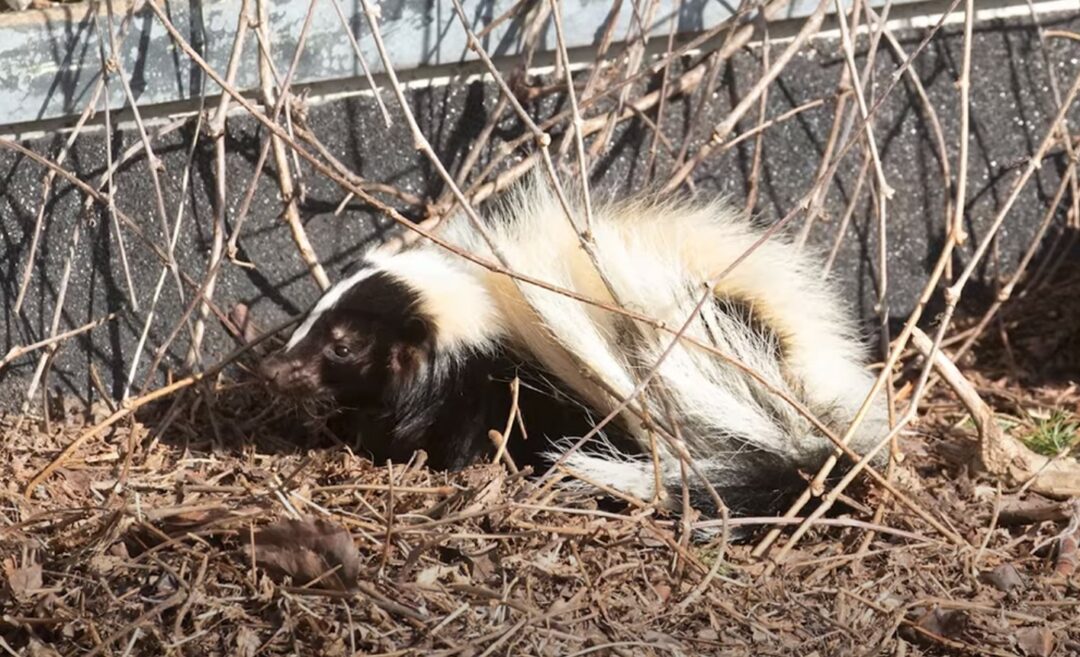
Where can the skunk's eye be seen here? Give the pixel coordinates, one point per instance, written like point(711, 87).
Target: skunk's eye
point(341, 351)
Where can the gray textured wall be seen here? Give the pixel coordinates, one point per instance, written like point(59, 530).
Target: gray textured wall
point(1010, 114)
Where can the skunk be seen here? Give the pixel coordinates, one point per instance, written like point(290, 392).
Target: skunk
point(424, 344)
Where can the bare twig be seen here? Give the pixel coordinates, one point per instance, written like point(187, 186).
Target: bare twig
point(19, 351)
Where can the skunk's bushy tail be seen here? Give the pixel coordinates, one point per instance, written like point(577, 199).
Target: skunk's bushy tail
point(772, 312)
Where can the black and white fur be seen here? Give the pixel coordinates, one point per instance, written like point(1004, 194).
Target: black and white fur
point(426, 342)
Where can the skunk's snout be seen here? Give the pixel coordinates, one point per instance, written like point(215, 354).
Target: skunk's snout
point(271, 368)
point(285, 375)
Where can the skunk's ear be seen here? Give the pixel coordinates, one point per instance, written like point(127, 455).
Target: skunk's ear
point(406, 361)
point(416, 331)
point(411, 348)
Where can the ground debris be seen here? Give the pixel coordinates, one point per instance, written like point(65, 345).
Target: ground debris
point(249, 544)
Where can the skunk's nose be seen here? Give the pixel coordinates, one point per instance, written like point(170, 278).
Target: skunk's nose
point(274, 369)
point(288, 376)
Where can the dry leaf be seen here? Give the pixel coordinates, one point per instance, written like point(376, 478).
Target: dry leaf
point(489, 495)
point(551, 563)
point(483, 567)
point(247, 642)
point(431, 575)
point(25, 581)
point(663, 590)
point(38, 649)
point(1005, 578)
point(102, 564)
point(947, 623)
point(78, 482)
point(1036, 641)
point(309, 549)
point(184, 521)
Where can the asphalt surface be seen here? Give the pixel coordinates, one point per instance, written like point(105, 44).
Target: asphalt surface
point(1012, 105)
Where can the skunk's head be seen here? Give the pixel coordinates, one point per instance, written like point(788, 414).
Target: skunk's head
point(382, 329)
point(364, 334)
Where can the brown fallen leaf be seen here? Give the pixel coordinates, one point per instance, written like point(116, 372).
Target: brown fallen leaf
point(1005, 578)
point(25, 581)
point(431, 575)
point(945, 623)
point(307, 550)
point(181, 521)
point(1035, 641)
point(38, 649)
point(489, 494)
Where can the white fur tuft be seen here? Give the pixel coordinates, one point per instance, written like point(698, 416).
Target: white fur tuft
point(449, 293)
